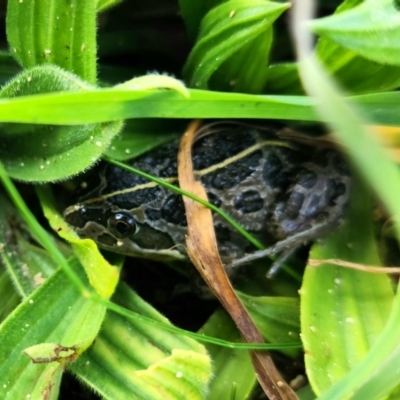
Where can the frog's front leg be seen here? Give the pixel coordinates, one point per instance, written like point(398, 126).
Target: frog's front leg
point(285, 248)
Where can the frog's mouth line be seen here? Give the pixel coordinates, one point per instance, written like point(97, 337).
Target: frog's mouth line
point(128, 246)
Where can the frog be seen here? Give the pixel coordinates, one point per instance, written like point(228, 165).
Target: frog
point(284, 192)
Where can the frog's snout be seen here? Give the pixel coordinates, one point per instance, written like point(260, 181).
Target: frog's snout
point(76, 216)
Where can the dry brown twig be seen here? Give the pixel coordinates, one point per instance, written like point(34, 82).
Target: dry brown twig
point(203, 251)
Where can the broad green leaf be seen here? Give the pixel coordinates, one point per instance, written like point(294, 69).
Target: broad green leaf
point(306, 393)
point(246, 71)
point(54, 32)
point(193, 11)
point(283, 78)
point(355, 73)
point(26, 264)
point(232, 368)
point(32, 152)
point(101, 274)
point(343, 311)
point(372, 30)
point(229, 32)
point(9, 296)
point(136, 360)
point(277, 318)
point(54, 313)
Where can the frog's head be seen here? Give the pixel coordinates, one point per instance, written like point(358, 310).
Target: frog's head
point(118, 230)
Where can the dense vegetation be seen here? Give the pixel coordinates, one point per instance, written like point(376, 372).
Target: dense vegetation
point(85, 80)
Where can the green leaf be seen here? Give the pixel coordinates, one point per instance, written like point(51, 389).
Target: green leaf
point(54, 32)
point(27, 264)
point(9, 296)
point(343, 310)
point(277, 318)
point(283, 79)
point(136, 360)
point(355, 73)
point(102, 276)
point(306, 393)
point(229, 32)
point(371, 30)
point(46, 153)
point(246, 71)
point(232, 368)
point(193, 12)
point(54, 313)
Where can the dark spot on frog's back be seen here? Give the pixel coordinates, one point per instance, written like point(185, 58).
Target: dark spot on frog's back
point(222, 233)
point(214, 199)
point(173, 210)
point(153, 214)
point(213, 149)
point(135, 198)
point(160, 155)
point(170, 169)
point(248, 202)
point(234, 173)
point(118, 178)
point(325, 157)
point(278, 166)
point(163, 158)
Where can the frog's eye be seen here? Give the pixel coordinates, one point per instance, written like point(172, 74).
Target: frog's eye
point(122, 225)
